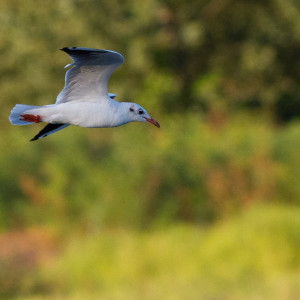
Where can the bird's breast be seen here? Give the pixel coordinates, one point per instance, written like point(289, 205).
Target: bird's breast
point(86, 114)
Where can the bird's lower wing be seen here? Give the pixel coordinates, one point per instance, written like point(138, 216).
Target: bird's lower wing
point(49, 129)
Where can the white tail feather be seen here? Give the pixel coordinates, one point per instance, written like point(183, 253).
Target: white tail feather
point(17, 111)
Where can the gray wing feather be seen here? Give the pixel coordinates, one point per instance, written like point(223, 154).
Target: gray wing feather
point(88, 77)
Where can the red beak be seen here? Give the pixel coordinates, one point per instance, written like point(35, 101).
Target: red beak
point(152, 121)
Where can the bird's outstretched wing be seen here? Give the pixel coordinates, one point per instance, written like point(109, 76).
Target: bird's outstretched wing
point(49, 129)
point(87, 79)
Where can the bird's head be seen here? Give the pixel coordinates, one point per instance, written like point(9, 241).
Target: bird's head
point(136, 113)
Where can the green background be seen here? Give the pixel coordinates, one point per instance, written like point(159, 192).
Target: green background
point(207, 206)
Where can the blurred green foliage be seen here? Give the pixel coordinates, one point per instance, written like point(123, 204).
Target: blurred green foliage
point(138, 176)
point(252, 256)
point(222, 78)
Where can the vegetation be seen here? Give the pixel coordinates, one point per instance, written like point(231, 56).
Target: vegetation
point(207, 207)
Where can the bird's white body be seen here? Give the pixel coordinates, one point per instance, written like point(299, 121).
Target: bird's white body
point(84, 101)
point(84, 114)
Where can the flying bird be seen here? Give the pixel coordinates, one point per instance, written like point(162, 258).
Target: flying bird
point(84, 101)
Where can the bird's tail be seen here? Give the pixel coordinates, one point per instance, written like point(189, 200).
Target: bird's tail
point(16, 113)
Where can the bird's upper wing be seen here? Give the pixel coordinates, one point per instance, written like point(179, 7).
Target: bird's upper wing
point(87, 79)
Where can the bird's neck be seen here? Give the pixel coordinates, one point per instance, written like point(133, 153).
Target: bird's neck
point(119, 113)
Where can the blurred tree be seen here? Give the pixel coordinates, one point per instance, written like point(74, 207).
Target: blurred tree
point(246, 51)
point(224, 57)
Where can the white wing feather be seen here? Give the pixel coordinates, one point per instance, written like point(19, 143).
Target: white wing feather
point(88, 77)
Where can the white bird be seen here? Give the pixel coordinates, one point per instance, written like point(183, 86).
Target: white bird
point(84, 100)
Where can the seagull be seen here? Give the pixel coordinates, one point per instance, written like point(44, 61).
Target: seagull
point(84, 101)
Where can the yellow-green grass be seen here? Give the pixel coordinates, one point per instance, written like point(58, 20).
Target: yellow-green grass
point(253, 256)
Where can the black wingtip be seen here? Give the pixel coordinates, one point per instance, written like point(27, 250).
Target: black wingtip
point(81, 50)
point(33, 139)
point(37, 137)
point(67, 49)
point(44, 132)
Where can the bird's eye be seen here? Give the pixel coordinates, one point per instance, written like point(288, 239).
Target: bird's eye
point(131, 109)
point(140, 112)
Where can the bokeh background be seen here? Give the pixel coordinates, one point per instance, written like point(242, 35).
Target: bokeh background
point(207, 207)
